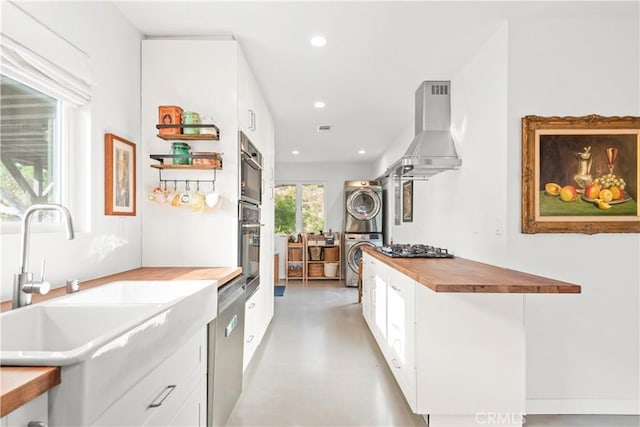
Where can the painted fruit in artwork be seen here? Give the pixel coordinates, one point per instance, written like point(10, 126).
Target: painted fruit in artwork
point(603, 205)
point(617, 192)
point(552, 189)
point(568, 193)
point(592, 191)
point(605, 195)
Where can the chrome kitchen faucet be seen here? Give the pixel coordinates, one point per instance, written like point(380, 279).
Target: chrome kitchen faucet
point(23, 284)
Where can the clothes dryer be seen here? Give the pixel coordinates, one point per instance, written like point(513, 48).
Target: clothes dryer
point(363, 207)
point(353, 244)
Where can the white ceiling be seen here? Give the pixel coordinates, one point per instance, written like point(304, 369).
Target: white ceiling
point(376, 56)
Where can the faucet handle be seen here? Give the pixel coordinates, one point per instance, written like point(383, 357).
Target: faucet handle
point(41, 288)
point(42, 272)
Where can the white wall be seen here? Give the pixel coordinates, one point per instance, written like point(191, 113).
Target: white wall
point(333, 176)
point(203, 80)
point(582, 350)
point(106, 244)
point(463, 210)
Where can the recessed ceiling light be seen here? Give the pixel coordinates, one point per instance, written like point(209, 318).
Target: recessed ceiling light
point(318, 41)
point(295, 152)
point(361, 152)
point(319, 104)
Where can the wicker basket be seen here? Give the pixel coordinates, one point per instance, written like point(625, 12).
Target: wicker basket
point(315, 253)
point(331, 253)
point(316, 270)
point(295, 271)
point(295, 253)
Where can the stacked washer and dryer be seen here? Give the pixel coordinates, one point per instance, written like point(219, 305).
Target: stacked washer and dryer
point(362, 223)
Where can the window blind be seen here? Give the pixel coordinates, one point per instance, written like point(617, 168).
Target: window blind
point(34, 54)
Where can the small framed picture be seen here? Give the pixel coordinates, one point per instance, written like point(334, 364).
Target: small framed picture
point(120, 176)
point(407, 201)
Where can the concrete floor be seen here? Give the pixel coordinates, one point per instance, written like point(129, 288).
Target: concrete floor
point(318, 365)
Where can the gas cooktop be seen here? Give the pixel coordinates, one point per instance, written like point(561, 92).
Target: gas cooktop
point(414, 251)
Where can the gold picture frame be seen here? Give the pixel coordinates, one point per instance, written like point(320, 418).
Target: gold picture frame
point(120, 176)
point(567, 162)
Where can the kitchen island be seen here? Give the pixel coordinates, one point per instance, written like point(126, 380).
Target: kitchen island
point(21, 384)
point(452, 332)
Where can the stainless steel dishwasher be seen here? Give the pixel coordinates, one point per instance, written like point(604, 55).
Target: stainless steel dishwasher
point(225, 345)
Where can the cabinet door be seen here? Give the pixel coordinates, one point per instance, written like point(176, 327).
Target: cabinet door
point(157, 397)
point(380, 305)
point(368, 289)
point(190, 414)
point(401, 332)
point(248, 105)
point(33, 411)
point(252, 310)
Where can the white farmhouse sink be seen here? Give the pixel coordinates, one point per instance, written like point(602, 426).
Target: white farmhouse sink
point(105, 339)
point(58, 335)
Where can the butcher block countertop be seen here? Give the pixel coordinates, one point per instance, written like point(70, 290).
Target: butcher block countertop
point(463, 275)
point(19, 385)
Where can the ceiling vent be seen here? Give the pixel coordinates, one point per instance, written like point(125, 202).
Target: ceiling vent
point(324, 128)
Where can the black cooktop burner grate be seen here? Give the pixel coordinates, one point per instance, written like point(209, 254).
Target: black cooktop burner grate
point(414, 251)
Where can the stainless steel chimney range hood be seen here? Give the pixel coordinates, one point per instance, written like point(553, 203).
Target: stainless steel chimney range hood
point(432, 150)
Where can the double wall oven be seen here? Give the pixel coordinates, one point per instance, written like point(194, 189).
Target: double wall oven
point(249, 213)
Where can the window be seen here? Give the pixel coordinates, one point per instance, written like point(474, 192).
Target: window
point(299, 208)
point(45, 91)
point(30, 149)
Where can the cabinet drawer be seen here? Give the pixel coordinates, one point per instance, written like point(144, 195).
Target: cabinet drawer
point(158, 396)
point(35, 410)
point(252, 309)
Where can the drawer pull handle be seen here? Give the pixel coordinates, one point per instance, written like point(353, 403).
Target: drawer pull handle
point(396, 289)
point(253, 304)
point(395, 363)
point(250, 338)
point(37, 424)
point(163, 396)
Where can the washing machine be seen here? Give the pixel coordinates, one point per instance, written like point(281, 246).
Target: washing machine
point(353, 243)
point(363, 207)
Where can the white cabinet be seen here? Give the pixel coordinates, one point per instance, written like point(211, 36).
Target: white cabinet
point(401, 339)
point(254, 317)
point(389, 310)
point(374, 294)
point(253, 115)
point(454, 355)
point(169, 395)
point(33, 411)
point(368, 289)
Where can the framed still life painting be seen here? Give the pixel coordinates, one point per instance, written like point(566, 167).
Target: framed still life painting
point(120, 176)
point(580, 174)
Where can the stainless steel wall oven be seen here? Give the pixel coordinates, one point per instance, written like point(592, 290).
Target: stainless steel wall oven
point(249, 245)
point(250, 171)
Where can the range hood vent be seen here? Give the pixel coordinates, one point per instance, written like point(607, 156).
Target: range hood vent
point(432, 150)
